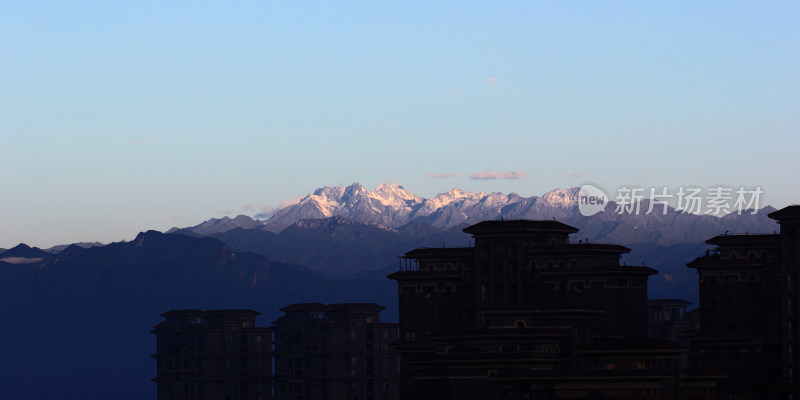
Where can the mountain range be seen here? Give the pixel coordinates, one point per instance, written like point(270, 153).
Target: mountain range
point(80, 314)
point(393, 207)
point(351, 231)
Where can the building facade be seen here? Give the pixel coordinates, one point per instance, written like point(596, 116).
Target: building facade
point(218, 354)
point(748, 310)
point(335, 352)
point(525, 313)
point(670, 319)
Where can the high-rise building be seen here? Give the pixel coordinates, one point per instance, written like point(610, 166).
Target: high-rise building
point(209, 355)
point(526, 313)
point(335, 352)
point(748, 310)
point(669, 319)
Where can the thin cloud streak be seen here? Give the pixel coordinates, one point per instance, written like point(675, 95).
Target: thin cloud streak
point(442, 176)
point(489, 175)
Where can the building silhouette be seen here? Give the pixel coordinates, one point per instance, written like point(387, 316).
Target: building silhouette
point(525, 313)
point(217, 354)
point(335, 352)
point(748, 311)
point(670, 319)
point(319, 352)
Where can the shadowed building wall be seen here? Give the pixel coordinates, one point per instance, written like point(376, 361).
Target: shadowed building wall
point(335, 352)
point(217, 354)
point(525, 313)
point(748, 310)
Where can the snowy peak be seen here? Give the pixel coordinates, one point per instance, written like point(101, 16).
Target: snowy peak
point(354, 191)
point(562, 197)
point(395, 196)
point(454, 195)
point(331, 199)
point(326, 194)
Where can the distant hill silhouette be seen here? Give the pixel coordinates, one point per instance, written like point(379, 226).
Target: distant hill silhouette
point(91, 309)
point(25, 251)
point(59, 248)
point(338, 247)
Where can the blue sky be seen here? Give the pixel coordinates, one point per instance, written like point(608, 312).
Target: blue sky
point(117, 118)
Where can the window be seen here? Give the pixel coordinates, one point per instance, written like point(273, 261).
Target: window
point(598, 287)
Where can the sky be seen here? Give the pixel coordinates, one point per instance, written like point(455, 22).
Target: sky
point(119, 117)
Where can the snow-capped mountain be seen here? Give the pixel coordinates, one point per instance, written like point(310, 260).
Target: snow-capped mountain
point(392, 206)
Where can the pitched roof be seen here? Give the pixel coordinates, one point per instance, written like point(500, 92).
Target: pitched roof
point(520, 225)
point(792, 211)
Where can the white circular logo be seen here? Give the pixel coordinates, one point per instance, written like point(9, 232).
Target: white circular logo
point(591, 200)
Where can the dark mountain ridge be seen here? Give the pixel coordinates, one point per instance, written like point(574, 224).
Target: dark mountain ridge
point(90, 308)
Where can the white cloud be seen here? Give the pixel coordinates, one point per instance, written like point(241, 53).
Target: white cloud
point(488, 175)
point(442, 175)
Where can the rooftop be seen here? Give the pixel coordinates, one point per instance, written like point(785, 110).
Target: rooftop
point(745, 238)
point(520, 225)
point(676, 302)
point(229, 311)
point(430, 252)
point(792, 212)
point(332, 307)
